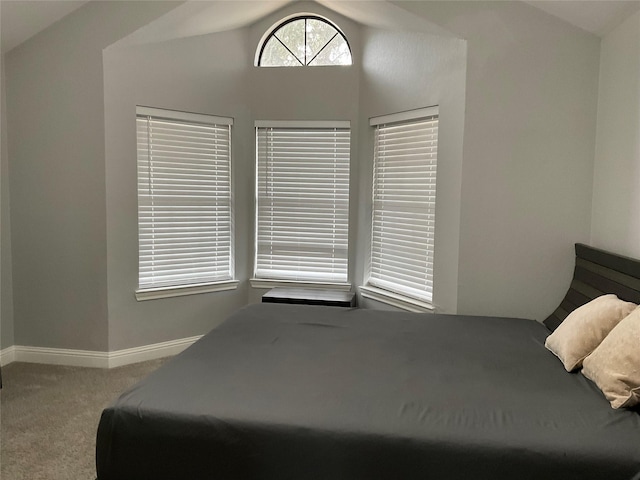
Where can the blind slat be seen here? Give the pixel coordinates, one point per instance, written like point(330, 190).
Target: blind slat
point(303, 202)
point(184, 199)
point(403, 217)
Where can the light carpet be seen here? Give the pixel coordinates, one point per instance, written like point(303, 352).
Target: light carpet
point(49, 417)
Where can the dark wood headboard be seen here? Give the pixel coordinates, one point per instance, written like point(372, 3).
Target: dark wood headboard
point(598, 272)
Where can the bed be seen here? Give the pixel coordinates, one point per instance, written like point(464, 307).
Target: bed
point(312, 392)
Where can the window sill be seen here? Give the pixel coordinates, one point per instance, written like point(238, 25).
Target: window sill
point(168, 292)
point(396, 300)
point(267, 283)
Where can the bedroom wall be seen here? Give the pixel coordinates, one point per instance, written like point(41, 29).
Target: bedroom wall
point(55, 112)
point(210, 74)
point(532, 86)
point(526, 169)
point(616, 187)
point(309, 94)
point(6, 282)
point(403, 70)
point(204, 74)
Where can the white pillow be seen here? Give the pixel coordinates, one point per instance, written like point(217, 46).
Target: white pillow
point(614, 366)
point(584, 328)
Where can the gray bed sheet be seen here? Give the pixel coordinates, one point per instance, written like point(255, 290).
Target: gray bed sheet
point(309, 392)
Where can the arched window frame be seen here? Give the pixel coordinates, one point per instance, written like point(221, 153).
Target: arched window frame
point(292, 18)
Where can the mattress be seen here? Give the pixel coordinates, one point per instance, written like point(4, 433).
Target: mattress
point(311, 392)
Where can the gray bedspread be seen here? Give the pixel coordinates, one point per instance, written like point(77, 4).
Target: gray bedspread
point(283, 392)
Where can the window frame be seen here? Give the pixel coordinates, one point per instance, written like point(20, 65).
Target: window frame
point(197, 285)
point(399, 297)
point(271, 32)
point(269, 282)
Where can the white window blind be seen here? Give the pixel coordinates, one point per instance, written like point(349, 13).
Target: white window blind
point(404, 197)
point(302, 201)
point(184, 198)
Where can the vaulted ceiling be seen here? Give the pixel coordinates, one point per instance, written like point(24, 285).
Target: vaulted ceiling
point(20, 19)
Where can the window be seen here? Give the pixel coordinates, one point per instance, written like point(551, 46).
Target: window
point(304, 41)
point(184, 203)
point(403, 217)
point(302, 213)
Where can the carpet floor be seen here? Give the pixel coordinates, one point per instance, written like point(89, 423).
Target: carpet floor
point(49, 416)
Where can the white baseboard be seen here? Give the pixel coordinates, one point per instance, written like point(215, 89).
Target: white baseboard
point(61, 356)
point(87, 358)
point(149, 352)
point(7, 355)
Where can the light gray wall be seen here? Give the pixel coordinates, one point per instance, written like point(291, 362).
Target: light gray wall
point(396, 71)
point(310, 94)
point(207, 74)
point(522, 191)
point(55, 114)
point(404, 71)
point(204, 74)
point(527, 168)
point(6, 281)
point(616, 190)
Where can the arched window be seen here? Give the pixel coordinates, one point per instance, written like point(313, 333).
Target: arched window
point(304, 40)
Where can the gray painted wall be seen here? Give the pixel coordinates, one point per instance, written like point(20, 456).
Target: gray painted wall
point(207, 74)
point(310, 94)
point(530, 119)
point(519, 191)
point(204, 74)
point(616, 191)
point(403, 71)
point(55, 110)
point(6, 282)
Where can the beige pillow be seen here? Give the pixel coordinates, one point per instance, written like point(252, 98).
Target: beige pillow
point(615, 365)
point(584, 328)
